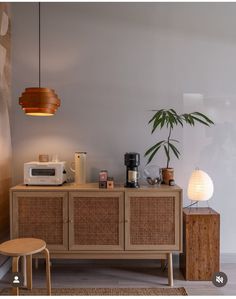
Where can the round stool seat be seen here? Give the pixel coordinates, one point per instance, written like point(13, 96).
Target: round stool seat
point(22, 246)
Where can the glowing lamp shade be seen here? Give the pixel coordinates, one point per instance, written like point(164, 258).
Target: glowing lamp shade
point(200, 186)
point(38, 101)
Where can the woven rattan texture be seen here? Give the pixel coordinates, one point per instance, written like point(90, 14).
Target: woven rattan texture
point(96, 221)
point(152, 221)
point(103, 292)
point(41, 218)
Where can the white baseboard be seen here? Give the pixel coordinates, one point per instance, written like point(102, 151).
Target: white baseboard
point(5, 267)
point(228, 258)
point(225, 258)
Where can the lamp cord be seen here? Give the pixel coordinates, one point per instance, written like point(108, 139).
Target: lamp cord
point(191, 204)
point(39, 47)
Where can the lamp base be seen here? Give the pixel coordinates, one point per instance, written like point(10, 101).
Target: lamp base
point(197, 205)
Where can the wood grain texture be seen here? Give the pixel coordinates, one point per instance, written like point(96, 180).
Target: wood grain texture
point(95, 187)
point(22, 246)
point(39, 100)
point(201, 242)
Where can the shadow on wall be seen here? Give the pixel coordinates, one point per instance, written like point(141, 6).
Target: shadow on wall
point(219, 155)
point(212, 149)
point(5, 134)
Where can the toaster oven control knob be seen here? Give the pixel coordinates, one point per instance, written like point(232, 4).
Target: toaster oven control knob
point(64, 171)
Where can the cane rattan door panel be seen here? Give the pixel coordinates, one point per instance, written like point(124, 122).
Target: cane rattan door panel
point(96, 221)
point(41, 215)
point(152, 221)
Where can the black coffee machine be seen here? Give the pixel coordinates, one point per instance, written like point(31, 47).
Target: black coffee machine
point(132, 161)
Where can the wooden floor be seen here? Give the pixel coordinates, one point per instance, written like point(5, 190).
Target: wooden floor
point(122, 274)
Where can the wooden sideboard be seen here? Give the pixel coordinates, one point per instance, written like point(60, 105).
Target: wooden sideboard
point(83, 221)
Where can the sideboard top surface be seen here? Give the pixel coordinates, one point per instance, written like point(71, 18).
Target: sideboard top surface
point(94, 187)
point(199, 211)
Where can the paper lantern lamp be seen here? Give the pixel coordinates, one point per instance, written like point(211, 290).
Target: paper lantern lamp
point(200, 186)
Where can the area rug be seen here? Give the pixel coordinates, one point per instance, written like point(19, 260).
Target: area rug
point(103, 292)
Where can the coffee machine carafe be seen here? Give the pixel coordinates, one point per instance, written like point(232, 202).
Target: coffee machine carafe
point(132, 161)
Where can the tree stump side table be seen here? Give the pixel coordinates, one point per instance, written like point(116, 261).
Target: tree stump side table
point(25, 247)
point(201, 243)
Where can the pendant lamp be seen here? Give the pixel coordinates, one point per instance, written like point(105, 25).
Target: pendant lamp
point(39, 101)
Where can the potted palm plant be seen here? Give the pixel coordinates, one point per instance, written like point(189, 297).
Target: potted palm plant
point(170, 119)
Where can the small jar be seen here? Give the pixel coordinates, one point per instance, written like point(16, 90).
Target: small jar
point(103, 176)
point(110, 183)
point(43, 158)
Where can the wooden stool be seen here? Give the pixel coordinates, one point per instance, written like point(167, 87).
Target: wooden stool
point(25, 247)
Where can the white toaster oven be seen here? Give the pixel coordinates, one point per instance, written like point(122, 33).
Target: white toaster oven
point(44, 173)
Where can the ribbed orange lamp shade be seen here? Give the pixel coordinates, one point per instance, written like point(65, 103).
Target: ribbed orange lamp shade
point(38, 101)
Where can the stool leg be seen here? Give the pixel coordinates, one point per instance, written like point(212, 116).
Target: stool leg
point(47, 256)
point(29, 271)
point(170, 270)
point(15, 268)
point(23, 268)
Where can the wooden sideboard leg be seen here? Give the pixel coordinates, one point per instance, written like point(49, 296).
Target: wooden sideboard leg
point(170, 270)
point(163, 262)
point(15, 268)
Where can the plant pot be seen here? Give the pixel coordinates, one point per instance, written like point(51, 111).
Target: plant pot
point(167, 175)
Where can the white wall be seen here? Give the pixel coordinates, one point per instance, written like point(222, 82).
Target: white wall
point(111, 64)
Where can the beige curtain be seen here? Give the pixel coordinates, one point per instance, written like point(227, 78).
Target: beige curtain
point(5, 136)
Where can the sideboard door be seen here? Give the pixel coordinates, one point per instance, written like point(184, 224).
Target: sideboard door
point(41, 215)
point(153, 220)
point(96, 220)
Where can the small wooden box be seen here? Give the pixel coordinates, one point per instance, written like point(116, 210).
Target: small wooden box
point(201, 243)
